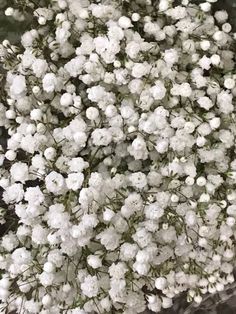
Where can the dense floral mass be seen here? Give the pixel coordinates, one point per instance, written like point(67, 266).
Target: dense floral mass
point(118, 174)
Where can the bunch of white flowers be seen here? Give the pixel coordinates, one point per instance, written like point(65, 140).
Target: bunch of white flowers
point(118, 173)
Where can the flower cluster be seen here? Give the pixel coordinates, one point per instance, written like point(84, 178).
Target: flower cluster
point(118, 173)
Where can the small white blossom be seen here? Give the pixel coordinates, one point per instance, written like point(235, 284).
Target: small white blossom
point(18, 86)
point(49, 82)
point(55, 182)
point(19, 172)
point(74, 181)
point(90, 286)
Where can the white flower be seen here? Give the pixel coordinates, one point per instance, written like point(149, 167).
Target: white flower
point(50, 153)
point(9, 242)
point(66, 100)
point(219, 36)
point(18, 86)
point(10, 155)
point(46, 300)
point(128, 251)
point(34, 196)
point(138, 149)
point(189, 127)
point(101, 137)
point(177, 12)
point(19, 172)
point(46, 279)
point(158, 91)
point(160, 283)
point(166, 302)
point(89, 220)
point(205, 45)
point(117, 290)
point(94, 261)
point(77, 164)
point(32, 306)
point(75, 66)
point(191, 218)
point(49, 82)
point(154, 211)
point(92, 113)
point(13, 193)
point(39, 67)
point(205, 102)
point(226, 27)
point(142, 237)
point(229, 83)
point(205, 63)
point(183, 90)
point(96, 93)
point(117, 271)
point(39, 235)
point(140, 69)
point(55, 182)
point(221, 16)
point(49, 267)
point(62, 34)
point(108, 214)
point(132, 49)
point(74, 181)
point(90, 286)
point(205, 6)
point(109, 238)
point(124, 22)
point(171, 56)
point(138, 180)
point(36, 114)
point(141, 268)
point(231, 210)
point(224, 101)
point(215, 59)
point(21, 256)
point(57, 217)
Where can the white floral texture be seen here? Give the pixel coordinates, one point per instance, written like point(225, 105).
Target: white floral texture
point(119, 170)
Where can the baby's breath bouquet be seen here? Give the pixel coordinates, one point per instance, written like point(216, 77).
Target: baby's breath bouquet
point(118, 169)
